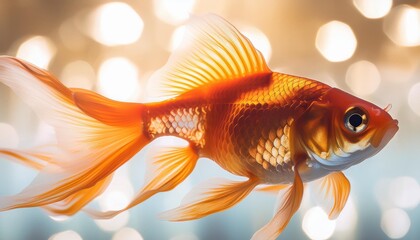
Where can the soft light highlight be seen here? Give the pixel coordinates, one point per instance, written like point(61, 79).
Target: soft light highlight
point(363, 78)
point(118, 79)
point(395, 223)
point(402, 26)
point(373, 8)
point(38, 50)
point(115, 23)
point(316, 224)
point(336, 41)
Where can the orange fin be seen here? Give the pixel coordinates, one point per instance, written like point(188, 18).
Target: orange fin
point(164, 172)
point(336, 186)
point(210, 197)
point(91, 148)
point(75, 202)
point(289, 205)
point(36, 159)
point(106, 110)
point(212, 51)
point(274, 189)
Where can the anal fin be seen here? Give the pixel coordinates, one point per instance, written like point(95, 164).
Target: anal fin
point(164, 172)
point(209, 197)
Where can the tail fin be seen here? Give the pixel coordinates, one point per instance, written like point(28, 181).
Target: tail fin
point(95, 136)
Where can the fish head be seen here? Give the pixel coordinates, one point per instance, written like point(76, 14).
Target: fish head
point(341, 130)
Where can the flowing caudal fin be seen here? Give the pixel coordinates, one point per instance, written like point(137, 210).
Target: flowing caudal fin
point(290, 204)
point(95, 136)
point(164, 172)
point(212, 196)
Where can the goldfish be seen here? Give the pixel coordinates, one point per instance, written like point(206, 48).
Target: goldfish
point(276, 130)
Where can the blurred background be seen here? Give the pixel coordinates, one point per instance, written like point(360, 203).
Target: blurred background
point(370, 48)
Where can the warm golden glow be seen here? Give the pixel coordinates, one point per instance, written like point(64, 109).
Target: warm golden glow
point(115, 23)
point(38, 50)
point(173, 12)
point(259, 40)
point(336, 41)
point(118, 79)
point(373, 8)
point(177, 37)
point(78, 74)
point(363, 78)
point(402, 26)
point(414, 98)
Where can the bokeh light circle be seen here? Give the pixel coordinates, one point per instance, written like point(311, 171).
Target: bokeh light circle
point(363, 78)
point(127, 234)
point(336, 42)
point(37, 50)
point(118, 79)
point(66, 235)
point(373, 8)
point(402, 26)
point(316, 224)
point(115, 23)
point(395, 223)
point(173, 12)
point(414, 98)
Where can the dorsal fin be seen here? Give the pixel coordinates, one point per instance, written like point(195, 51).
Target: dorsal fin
point(212, 50)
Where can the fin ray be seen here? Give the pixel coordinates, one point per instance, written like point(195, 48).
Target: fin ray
point(210, 197)
point(336, 186)
point(75, 202)
point(90, 149)
point(213, 51)
point(165, 172)
point(290, 204)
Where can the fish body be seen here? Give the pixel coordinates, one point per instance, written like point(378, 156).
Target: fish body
point(221, 97)
point(217, 121)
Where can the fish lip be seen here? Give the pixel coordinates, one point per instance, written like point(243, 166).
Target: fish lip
point(385, 134)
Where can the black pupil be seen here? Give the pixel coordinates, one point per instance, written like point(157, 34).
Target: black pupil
point(355, 120)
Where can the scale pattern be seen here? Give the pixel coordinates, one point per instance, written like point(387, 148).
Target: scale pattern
point(187, 123)
point(274, 150)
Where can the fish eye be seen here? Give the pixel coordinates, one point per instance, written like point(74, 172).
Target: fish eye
point(355, 119)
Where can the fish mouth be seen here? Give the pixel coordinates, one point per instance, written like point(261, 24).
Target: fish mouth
point(384, 135)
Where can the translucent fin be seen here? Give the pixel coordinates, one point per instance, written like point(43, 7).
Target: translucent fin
point(90, 150)
point(164, 172)
point(212, 51)
point(36, 159)
point(210, 197)
point(75, 202)
point(106, 110)
point(274, 189)
point(337, 187)
point(290, 204)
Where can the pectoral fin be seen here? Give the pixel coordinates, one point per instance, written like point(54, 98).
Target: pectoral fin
point(336, 186)
point(288, 206)
point(210, 197)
